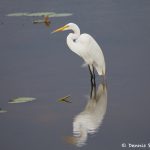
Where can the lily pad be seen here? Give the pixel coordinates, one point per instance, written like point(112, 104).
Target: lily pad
point(39, 14)
point(17, 14)
point(21, 100)
point(2, 111)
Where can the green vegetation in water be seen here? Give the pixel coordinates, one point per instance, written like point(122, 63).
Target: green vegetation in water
point(38, 21)
point(65, 99)
point(46, 21)
point(39, 14)
point(21, 100)
point(2, 111)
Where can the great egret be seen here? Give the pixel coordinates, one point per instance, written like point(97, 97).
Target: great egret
point(86, 47)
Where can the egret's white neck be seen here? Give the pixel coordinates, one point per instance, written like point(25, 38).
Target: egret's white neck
point(76, 30)
point(73, 37)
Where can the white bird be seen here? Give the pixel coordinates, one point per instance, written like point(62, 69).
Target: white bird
point(86, 47)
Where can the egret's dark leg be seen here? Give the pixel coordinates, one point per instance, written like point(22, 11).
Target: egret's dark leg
point(93, 81)
point(91, 74)
point(91, 92)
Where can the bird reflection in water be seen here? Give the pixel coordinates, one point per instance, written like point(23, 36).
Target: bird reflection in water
point(89, 120)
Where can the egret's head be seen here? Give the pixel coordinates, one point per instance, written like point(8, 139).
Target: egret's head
point(69, 26)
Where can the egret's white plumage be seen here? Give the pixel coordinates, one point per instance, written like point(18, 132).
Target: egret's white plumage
point(86, 47)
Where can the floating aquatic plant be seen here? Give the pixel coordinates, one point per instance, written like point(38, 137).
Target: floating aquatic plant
point(39, 14)
point(2, 111)
point(21, 100)
point(65, 99)
point(46, 21)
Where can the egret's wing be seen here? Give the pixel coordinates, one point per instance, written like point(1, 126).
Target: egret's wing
point(95, 55)
point(86, 47)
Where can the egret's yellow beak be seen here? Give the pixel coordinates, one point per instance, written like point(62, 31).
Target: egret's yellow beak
point(61, 29)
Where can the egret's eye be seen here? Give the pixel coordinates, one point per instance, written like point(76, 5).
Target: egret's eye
point(74, 40)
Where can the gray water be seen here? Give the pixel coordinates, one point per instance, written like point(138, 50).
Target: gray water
point(36, 63)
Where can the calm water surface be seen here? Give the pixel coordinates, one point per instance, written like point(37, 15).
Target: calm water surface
point(35, 63)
